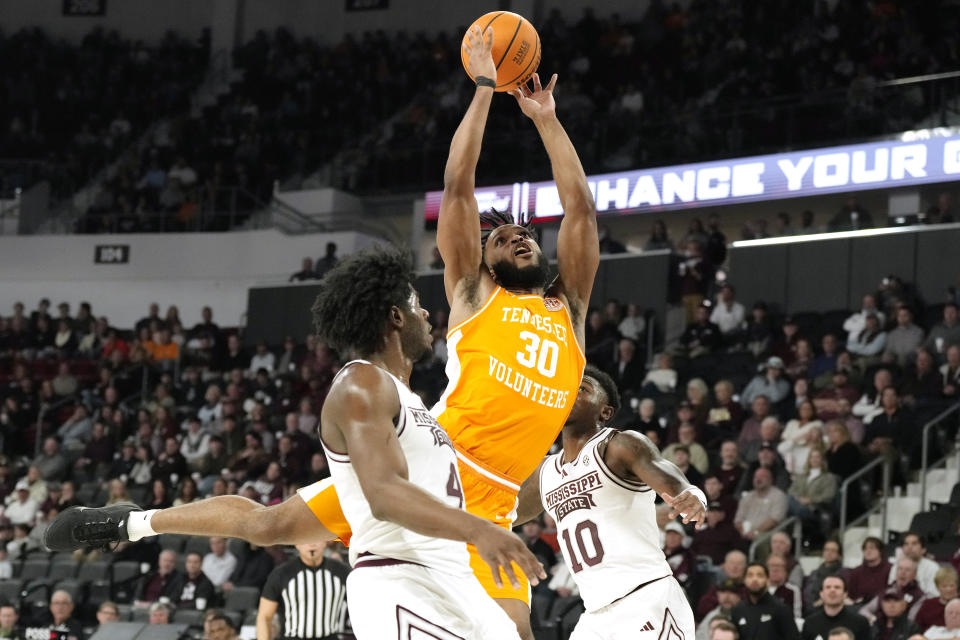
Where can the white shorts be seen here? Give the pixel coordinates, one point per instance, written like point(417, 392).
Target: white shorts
point(658, 611)
point(411, 602)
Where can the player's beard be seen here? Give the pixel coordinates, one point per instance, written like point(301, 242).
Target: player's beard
point(415, 346)
point(510, 276)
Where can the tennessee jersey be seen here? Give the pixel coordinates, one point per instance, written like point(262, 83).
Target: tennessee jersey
point(513, 368)
point(606, 525)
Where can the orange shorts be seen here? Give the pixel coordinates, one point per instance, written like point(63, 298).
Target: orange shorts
point(483, 499)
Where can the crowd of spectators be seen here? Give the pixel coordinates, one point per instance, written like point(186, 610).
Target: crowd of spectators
point(73, 108)
point(683, 84)
point(768, 414)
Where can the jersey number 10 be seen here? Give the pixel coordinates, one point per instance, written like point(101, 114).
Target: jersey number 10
point(589, 559)
point(539, 353)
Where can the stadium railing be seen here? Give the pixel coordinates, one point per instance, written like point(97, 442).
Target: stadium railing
point(925, 464)
point(793, 523)
point(880, 505)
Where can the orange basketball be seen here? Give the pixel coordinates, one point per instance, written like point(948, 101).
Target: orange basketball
point(516, 48)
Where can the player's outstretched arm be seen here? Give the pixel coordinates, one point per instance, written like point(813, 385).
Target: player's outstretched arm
point(362, 408)
point(578, 246)
point(458, 227)
point(529, 504)
point(634, 456)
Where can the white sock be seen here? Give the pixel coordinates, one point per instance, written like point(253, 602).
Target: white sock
point(138, 525)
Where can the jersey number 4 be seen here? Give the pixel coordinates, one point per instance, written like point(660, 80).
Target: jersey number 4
point(539, 353)
point(453, 486)
point(589, 559)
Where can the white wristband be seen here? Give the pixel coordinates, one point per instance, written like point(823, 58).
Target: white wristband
point(695, 490)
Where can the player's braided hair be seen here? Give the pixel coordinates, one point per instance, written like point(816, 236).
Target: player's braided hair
point(351, 312)
point(491, 219)
point(606, 383)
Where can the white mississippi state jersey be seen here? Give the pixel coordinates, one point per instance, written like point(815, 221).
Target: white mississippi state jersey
point(431, 465)
point(606, 526)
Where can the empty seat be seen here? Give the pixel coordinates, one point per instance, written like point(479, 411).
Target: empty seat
point(198, 544)
point(242, 599)
point(34, 568)
point(63, 569)
point(10, 590)
point(125, 571)
point(140, 614)
point(92, 571)
point(124, 612)
point(173, 541)
point(190, 617)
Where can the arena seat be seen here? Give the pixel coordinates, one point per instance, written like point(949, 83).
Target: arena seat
point(189, 617)
point(10, 589)
point(63, 569)
point(242, 598)
point(197, 544)
point(33, 568)
point(173, 541)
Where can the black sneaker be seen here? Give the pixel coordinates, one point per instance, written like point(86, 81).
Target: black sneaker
point(85, 527)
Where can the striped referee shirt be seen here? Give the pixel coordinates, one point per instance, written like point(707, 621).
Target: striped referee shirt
point(311, 601)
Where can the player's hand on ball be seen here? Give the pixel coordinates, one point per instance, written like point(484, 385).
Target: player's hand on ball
point(479, 47)
point(500, 547)
point(538, 103)
point(688, 506)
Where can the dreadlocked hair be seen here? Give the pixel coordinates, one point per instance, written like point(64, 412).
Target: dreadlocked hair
point(352, 310)
point(491, 219)
point(606, 383)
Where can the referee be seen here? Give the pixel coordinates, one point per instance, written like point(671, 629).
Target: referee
point(309, 593)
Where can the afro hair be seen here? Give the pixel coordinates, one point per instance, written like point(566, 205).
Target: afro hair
point(606, 383)
point(352, 310)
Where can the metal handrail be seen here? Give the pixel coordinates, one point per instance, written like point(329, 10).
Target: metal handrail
point(793, 521)
point(845, 487)
point(924, 456)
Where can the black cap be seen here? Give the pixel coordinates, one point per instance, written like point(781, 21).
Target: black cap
point(729, 585)
point(892, 593)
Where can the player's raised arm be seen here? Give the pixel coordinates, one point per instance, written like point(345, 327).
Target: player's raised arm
point(458, 227)
point(634, 456)
point(529, 504)
point(578, 246)
point(362, 408)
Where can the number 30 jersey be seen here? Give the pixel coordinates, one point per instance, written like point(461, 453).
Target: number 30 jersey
point(514, 368)
point(606, 525)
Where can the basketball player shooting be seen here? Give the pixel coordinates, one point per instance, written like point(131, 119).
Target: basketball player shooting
point(600, 490)
point(394, 467)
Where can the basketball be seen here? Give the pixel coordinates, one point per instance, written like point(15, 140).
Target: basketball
point(516, 48)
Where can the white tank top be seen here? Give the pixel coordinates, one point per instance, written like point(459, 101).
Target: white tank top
point(606, 525)
point(431, 465)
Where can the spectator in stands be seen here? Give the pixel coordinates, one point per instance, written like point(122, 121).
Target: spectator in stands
point(601, 339)
point(904, 340)
point(801, 434)
point(696, 276)
point(220, 563)
point(730, 469)
point(165, 582)
point(61, 623)
point(778, 586)
point(686, 437)
point(912, 547)
point(162, 349)
point(725, 416)
point(827, 360)
point(718, 537)
point(628, 370)
point(837, 398)
point(832, 612)
point(253, 567)
point(890, 429)
point(634, 324)
point(701, 337)
point(662, 377)
point(733, 568)
point(187, 492)
point(760, 410)
point(198, 590)
point(950, 370)
point(812, 493)
point(870, 341)
point(906, 583)
point(931, 612)
point(892, 621)
point(921, 383)
point(950, 629)
point(235, 357)
point(728, 314)
point(9, 618)
point(141, 475)
point(107, 612)
point(263, 358)
point(170, 465)
point(195, 443)
point(678, 556)
point(328, 261)
point(761, 509)
point(760, 616)
point(680, 456)
point(23, 509)
point(159, 613)
point(832, 565)
point(770, 383)
point(869, 404)
point(717, 619)
point(759, 332)
point(763, 452)
point(658, 239)
point(944, 334)
point(159, 497)
point(64, 383)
